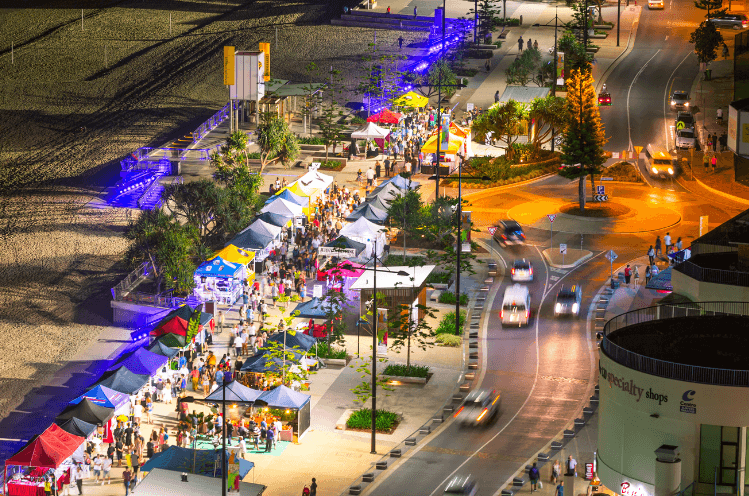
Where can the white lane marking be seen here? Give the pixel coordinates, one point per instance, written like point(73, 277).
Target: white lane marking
point(629, 125)
point(665, 96)
point(554, 278)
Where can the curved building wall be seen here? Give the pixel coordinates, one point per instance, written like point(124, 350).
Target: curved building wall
point(629, 431)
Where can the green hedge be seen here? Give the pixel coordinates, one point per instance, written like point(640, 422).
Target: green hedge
point(448, 298)
point(404, 371)
point(448, 339)
point(358, 120)
point(362, 419)
point(447, 324)
point(396, 260)
point(439, 278)
point(310, 140)
point(326, 351)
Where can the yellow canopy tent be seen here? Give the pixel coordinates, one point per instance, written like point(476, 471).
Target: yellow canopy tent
point(234, 254)
point(411, 99)
point(298, 189)
point(454, 129)
point(431, 145)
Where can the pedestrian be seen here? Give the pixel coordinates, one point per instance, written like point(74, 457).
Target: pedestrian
point(571, 466)
point(533, 475)
point(556, 471)
point(126, 478)
point(719, 114)
point(714, 162)
point(238, 342)
point(414, 11)
point(521, 43)
point(535, 45)
point(648, 274)
point(496, 97)
point(242, 447)
point(651, 255)
point(654, 270)
point(725, 51)
point(559, 491)
point(97, 468)
point(627, 275)
point(679, 244)
point(715, 143)
point(370, 177)
point(705, 160)
point(667, 242)
point(78, 474)
point(488, 65)
point(269, 440)
point(709, 142)
point(313, 487)
point(530, 43)
point(400, 42)
point(658, 250)
point(388, 9)
point(636, 274)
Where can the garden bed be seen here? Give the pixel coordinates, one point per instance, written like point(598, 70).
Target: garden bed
point(502, 172)
point(620, 171)
point(361, 420)
point(448, 298)
point(447, 324)
point(402, 370)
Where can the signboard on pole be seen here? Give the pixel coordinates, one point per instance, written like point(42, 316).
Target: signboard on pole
point(601, 190)
point(552, 217)
point(703, 224)
point(611, 256)
point(317, 291)
point(560, 68)
point(492, 230)
point(333, 251)
point(563, 249)
point(229, 65)
point(265, 48)
point(249, 69)
point(444, 133)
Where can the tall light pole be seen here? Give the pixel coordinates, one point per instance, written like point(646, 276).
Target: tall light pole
point(439, 102)
point(554, 75)
point(459, 245)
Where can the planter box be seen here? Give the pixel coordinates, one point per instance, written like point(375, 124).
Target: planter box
point(592, 49)
point(403, 379)
point(485, 47)
point(602, 26)
point(598, 36)
point(338, 362)
point(439, 285)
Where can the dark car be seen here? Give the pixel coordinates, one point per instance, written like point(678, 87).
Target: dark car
point(509, 233)
point(684, 120)
point(461, 486)
point(479, 408)
point(569, 300)
point(735, 21)
point(680, 99)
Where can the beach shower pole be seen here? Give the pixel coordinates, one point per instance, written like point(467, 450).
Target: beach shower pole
point(81, 19)
point(170, 24)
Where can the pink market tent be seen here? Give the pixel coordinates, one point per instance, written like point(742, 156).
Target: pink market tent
point(347, 269)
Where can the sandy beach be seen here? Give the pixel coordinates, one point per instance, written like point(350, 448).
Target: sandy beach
point(120, 74)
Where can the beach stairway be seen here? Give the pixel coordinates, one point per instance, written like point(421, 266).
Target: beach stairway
point(151, 197)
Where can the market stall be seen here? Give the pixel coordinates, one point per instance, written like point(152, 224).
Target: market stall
point(259, 237)
point(88, 411)
point(402, 183)
point(385, 116)
point(157, 346)
point(341, 247)
point(288, 399)
point(386, 190)
point(372, 214)
point(159, 482)
point(278, 205)
point(237, 255)
point(172, 329)
point(372, 131)
point(367, 232)
point(77, 427)
point(380, 201)
point(219, 280)
point(313, 309)
point(276, 219)
point(141, 362)
point(124, 381)
point(51, 452)
point(449, 162)
point(105, 397)
point(287, 195)
point(457, 131)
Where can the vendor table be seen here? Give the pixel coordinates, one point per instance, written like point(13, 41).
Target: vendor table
point(286, 435)
point(25, 489)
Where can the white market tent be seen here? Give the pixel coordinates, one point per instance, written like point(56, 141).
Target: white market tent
point(366, 232)
point(370, 131)
point(262, 227)
point(388, 277)
point(283, 207)
point(315, 180)
point(160, 482)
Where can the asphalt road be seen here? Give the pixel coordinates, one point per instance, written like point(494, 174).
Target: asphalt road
point(661, 61)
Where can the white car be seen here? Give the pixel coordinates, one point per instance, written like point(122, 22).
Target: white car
point(522, 271)
point(685, 138)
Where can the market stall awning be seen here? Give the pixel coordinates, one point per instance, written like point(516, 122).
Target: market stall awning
point(158, 347)
point(275, 219)
point(342, 247)
point(385, 116)
point(380, 202)
point(180, 460)
point(77, 427)
point(142, 361)
point(235, 392)
point(88, 411)
point(362, 229)
point(103, 396)
point(48, 450)
point(283, 397)
point(124, 381)
point(454, 130)
point(388, 191)
point(173, 340)
point(315, 180)
point(347, 269)
point(176, 324)
point(283, 207)
point(431, 145)
point(298, 189)
point(370, 213)
point(218, 267)
point(298, 340)
point(411, 99)
point(370, 131)
point(287, 195)
point(261, 363)
point(252, 240)
point(310, 309)
point(402, 183)
point(234, 254)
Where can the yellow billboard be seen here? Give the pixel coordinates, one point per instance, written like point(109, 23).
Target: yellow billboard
point(265, 48)
point(229, 66)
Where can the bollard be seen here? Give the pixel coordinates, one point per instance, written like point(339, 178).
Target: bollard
point(521, 20)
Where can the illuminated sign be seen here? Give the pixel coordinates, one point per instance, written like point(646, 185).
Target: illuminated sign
point(229, 66)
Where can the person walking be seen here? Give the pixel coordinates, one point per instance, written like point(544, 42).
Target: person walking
point(127, 476)
point(705, 160)
point(715, 143)
point(238, 342)
point(627, 275)
point(269, 440)
point(535, 45)
point(556, 471)
point(651, 255)
point(242, 447)
point(648, 274)
point(488, 65)
point(654, 270)
point(709, 142)
point(667, 242)
point(400, 42)
point(636, 274)
point(78, 475)
point(530, 44)
point(658, 250)
point(571, 466)
point(714, 162)
point(416, 11)
point(719, 112)
point(496, 97)
point(533, 475)
point(559, 491)
point(313, 487)
point(521, 43)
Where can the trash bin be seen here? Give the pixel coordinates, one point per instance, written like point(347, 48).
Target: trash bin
point(614, 283)
point(708, 73)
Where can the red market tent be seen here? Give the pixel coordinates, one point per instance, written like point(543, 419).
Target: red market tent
point(385, 116)
point(172, 325)
point(48, 450)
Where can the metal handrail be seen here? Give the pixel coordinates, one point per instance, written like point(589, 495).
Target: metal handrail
point(126, 285)
point(672, 370)
point(687, 491)
point(211, 123)
point(718, 276)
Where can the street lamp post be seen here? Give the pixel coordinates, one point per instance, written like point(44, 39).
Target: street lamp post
point(439, 102)
point(460, 249)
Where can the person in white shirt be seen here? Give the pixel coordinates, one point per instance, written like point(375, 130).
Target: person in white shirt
point(238, 345)
point(242, 447)
point(106, 466)
point(137, 412)
point(667, 242)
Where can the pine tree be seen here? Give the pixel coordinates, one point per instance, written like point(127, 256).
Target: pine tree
point(584, 137)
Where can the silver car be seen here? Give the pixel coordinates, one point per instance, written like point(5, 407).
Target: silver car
point(479, 408)
point(685, 138)
point(461, 486)
point(522, 271)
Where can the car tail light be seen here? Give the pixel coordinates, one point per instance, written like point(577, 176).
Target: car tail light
point(522, 235)
point(531, 269)
point(495, 399)
point(528, 315)
point(513, 271)
point(483, 414)
point(504, 237)
point(459, 410)
point(502, 314)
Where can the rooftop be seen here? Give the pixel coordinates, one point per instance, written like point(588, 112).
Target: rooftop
point(731, 233)
point(388, 278)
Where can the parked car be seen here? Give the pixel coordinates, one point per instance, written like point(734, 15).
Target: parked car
point(655, 4)
point(684, 120)
point(735, 21)
point(686, 138)
point(569, 300)
point(679, 99)
point(461, 486)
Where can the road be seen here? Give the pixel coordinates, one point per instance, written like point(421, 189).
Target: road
point(662, 60)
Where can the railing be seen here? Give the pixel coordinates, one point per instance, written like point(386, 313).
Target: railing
point(688, 491)
point(717, 276)
point(155, 300)
point(671, 370)
point(211, 123)
point(126, 285)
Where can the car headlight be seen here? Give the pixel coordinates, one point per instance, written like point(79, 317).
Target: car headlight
point(686, 104)
point(575, 307)
point(673, 102)
point(558, 308)
point(670, 171)
point(655, 171)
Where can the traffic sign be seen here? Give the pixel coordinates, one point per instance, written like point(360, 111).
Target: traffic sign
point(601, 198)
point(563, 249)
point(601, 190)
point(611, 256)
point(492, 230)
point(680, 125)
point(638, 149)
point(551, 217)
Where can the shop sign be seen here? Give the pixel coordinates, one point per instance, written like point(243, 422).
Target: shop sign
point(629, 386)
point(687, 404)
point(630, 489)
point(589, 471)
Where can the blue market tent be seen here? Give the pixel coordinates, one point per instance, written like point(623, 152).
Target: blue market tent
point(262, 363)
point(283, 397)
point(292, 197)
point(181, 460)
point(76, 427)
point(372, 214)
point(160, 348)
point(218, 267)
point(103, 396)
point(381, 201)
point(402, 183)
point(311, 309)
point(236, 392)
point(303, 341)
point(124, 381)
point(275, 219)
point(142, 361)
point(255, 237)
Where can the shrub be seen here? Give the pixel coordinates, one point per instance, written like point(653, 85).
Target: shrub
point(447, 324)
point(362, 419)
point(254, 155)
point(395, 260)
point(439, 278)
point(326, 351)
point(331, 164)
point(448, 298)
point(405, 371)
point(358, 120)
point(448, 339)
point(310, 140)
